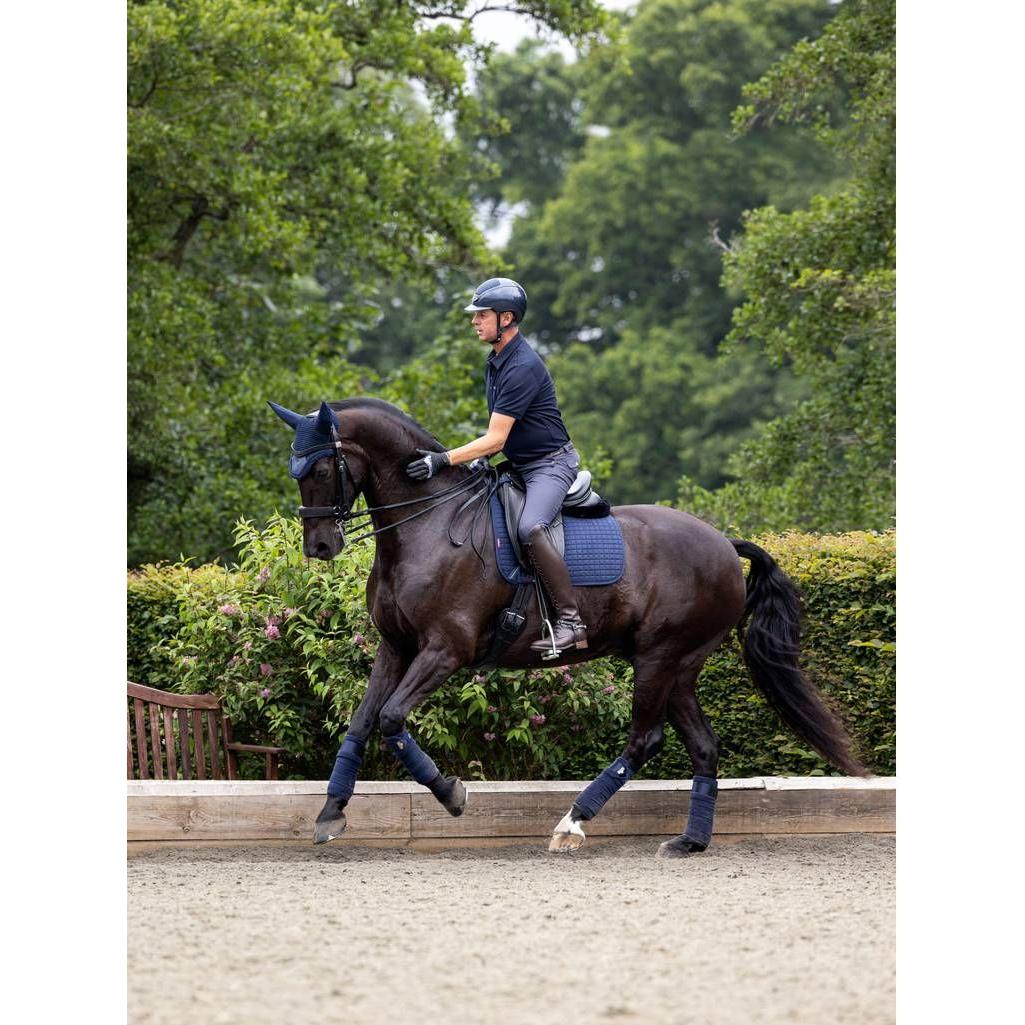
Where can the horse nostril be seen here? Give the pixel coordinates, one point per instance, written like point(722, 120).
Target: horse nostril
point(323, 550)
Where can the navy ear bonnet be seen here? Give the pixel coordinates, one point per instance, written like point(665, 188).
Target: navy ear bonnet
point(313, 438)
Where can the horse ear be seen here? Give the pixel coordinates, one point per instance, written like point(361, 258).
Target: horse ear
point(327, 418)
point(292, 419)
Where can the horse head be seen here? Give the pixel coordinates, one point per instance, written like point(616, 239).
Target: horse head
point(329, 478)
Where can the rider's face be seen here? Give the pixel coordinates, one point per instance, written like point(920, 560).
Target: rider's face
point(485, 323)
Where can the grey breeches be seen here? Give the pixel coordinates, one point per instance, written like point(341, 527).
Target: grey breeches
point(547, 480)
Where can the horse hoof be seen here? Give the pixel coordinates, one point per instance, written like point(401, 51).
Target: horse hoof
point(452, 794)
point(681, 847)
point(565, 842)
point(330, 822)
point(568, 835)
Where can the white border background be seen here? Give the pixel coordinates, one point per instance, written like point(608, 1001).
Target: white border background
point(62, 615)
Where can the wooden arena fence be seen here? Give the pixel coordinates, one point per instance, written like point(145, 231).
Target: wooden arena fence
point(218, 810)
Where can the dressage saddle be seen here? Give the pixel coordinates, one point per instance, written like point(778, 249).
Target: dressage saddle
point(581, 500)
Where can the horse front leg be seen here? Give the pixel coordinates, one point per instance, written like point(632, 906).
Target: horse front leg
point(386, 674)
point(426, 673)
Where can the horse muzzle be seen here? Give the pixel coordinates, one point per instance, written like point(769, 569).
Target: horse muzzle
point(323, 545)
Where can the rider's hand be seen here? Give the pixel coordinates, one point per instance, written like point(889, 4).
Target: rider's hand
point(428, 466)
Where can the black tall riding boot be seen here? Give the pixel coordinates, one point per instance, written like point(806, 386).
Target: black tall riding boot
point(569, 629)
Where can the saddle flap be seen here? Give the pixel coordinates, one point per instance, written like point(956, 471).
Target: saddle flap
point(513, 500)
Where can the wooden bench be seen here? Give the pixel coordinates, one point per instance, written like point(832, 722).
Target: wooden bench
point(184, 736)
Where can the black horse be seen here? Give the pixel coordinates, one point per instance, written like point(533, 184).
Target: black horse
point(435, 605)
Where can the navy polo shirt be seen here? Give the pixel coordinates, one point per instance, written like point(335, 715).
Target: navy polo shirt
point(517, 384)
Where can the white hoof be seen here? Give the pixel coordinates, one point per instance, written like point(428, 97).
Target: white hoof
point(568, 835)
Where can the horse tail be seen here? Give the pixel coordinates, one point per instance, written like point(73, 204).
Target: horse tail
point(772, 644)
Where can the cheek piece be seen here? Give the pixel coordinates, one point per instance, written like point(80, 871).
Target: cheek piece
point(343, 778)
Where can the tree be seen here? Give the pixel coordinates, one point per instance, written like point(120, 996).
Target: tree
point(819, 288)
point(288, 160)
point(626, 241)
point(531, 125)
point(619, 260)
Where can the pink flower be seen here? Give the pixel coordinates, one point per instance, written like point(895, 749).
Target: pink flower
point(608, 690)
point(492, 708)
point(287, 613)
point(359, 640)
point(266, 669)
point(477, 678)
point(567, 678)
point(489, 737)
point(263, 575)
point(543, 699)
point(272, 632)
point(247, 645)
point(538, 720)
point(265, 693)
point(229, 610)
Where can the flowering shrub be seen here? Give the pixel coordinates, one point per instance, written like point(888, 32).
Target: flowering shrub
point(288, 645)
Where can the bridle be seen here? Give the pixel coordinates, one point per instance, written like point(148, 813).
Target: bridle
point(342, 512)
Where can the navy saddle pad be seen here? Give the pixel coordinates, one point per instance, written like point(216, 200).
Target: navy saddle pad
point(595, 553)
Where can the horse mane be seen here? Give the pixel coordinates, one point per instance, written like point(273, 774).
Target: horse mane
point(422, 436)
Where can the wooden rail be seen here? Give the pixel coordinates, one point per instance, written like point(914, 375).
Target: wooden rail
point(242, 810)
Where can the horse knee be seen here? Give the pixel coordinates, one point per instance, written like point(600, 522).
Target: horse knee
point(391, 721)
point(654, 741)
point(706, 755)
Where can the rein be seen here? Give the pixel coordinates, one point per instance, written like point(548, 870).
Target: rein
point(342, 512)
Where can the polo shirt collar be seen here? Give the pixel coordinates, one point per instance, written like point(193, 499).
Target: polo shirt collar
point(498, 361)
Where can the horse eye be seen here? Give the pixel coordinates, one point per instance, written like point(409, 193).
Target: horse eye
point(322, 474)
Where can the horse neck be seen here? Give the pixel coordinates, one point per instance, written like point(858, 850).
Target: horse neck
point(387, 454)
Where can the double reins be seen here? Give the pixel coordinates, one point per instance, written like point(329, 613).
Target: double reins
point(342, 512)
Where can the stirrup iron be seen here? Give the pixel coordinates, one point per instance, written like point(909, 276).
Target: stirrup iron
point(546, 623)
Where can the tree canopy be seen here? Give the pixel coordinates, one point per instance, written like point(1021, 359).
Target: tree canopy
point(703, 216)
point(286, 160)
point(618, 250)
point(819, 286)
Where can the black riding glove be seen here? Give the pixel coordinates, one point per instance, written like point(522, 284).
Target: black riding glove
point(428, 466)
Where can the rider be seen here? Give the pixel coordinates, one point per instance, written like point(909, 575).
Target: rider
point(526, 426)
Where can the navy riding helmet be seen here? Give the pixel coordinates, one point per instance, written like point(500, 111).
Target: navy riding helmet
point(500, 295)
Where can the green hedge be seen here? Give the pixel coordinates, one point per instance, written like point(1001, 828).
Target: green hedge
point(288, 644)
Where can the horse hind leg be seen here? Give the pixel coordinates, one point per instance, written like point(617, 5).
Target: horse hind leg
point(698, 737)
point(646, 738)
point(569, 834)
